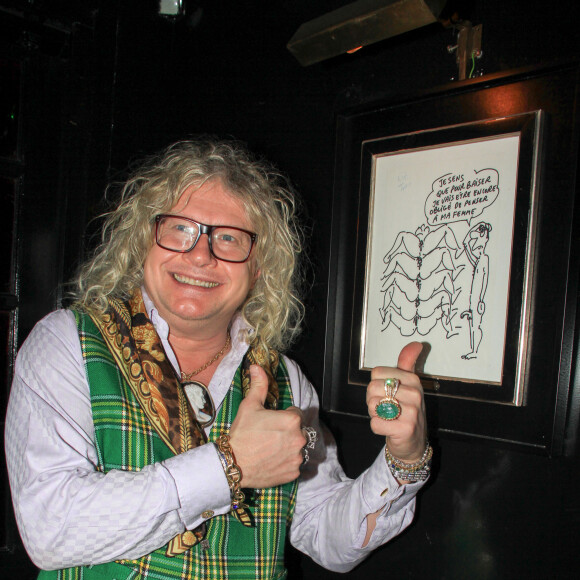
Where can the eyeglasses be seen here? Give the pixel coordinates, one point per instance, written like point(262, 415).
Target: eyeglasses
point(181, 234)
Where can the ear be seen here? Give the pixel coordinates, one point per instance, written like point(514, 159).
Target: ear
point(257, 274)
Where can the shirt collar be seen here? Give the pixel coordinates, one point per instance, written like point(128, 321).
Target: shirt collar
point(241, 332)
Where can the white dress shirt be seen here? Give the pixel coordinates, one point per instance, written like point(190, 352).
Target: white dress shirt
point(70, 514)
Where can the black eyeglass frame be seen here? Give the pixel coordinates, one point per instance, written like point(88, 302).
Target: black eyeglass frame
point(203, 229)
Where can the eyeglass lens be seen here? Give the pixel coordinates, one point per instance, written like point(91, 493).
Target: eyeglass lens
point(226, 243)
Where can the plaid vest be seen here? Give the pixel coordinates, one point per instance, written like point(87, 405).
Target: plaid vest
point(125, 440)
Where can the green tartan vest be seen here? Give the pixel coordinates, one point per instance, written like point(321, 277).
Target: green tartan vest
point(124, 439)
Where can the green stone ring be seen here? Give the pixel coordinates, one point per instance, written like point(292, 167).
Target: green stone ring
point(388, 409)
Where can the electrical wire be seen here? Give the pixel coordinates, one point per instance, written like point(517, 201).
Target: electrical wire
point(472, 64)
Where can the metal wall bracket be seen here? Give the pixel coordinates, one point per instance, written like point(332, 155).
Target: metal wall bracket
point(468, 48)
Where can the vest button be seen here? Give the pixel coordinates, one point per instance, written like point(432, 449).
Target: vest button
point(188, 538)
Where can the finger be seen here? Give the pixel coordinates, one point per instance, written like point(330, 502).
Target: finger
point(409, 355)
point(295, 410)
point(258, 385)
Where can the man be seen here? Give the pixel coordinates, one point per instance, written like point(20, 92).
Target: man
point(112, 473)
point(475, 243)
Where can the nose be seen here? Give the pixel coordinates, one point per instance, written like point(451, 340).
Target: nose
point(201, 254)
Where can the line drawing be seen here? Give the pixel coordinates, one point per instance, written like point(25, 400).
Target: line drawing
point(439, 256)
point(475, 243)
point(420, 283)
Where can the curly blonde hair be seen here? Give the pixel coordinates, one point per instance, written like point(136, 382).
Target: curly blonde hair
point(273, 307)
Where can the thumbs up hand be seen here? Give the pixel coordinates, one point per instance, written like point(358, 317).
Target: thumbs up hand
point(267, 444)
point(406, 435)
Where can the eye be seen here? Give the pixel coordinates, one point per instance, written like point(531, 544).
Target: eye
point(184, 229)
point(227, 236)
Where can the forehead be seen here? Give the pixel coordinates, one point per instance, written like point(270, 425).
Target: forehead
point(212, 203)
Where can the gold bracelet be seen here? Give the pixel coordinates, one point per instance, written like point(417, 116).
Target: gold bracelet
point(418, 471)
point(232, 471)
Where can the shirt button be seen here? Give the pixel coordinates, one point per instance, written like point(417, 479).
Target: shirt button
point(207, 514)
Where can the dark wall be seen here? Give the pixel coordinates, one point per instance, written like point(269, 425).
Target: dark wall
point(489, 512)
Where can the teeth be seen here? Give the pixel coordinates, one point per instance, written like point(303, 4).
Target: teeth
point(194, 282)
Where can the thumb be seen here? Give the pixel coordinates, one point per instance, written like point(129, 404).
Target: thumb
point(409, 355)
point(258, 385)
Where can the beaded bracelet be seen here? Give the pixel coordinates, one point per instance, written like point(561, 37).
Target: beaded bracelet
point(418, 471)
point(232, 471)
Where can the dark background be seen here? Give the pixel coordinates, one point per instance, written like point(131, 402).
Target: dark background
point(88, 87)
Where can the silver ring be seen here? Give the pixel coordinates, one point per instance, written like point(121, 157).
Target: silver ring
point(311, 439)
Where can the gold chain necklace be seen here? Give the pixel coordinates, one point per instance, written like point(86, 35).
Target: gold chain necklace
point(187, 376)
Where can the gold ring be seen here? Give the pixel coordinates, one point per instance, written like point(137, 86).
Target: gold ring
point(389, 408)
point(391, 388)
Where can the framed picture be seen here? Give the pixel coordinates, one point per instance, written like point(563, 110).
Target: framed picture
point(443, 276)
point(442, 207)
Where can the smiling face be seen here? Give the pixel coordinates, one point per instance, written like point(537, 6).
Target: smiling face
point(194, 290)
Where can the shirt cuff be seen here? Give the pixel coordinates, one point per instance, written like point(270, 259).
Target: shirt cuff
point(382, 490)
point(201, 485)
